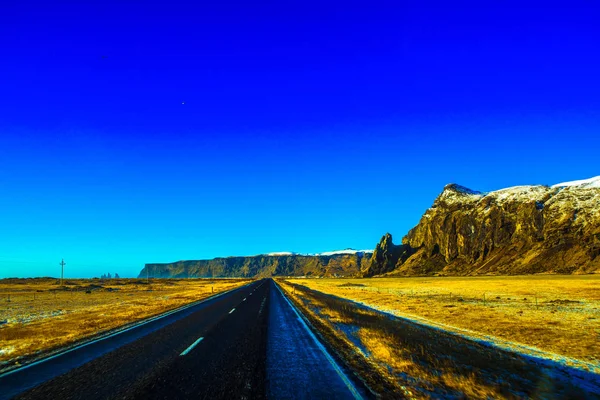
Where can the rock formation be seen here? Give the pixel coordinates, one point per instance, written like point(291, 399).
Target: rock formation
point(386, 256)
point(519, 230)
point(331, 264)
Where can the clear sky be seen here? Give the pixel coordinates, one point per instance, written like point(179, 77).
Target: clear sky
point(154, 132)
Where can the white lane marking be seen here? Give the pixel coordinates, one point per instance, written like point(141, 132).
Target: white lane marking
point(262, 305)
point(336, 367)
point(118, 332)
point(244, 299)
point(232, 310)
point(250, 294)
point(191, 347)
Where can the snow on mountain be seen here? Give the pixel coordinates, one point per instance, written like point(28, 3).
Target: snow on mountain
point(519, 193)
point(453, 187)
point(457, 193)
point(326, 253)
point(347, 251)
point(584, 183)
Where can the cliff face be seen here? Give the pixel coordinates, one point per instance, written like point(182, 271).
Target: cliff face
point(386, 256)
point(520, 230)
point(263, 266)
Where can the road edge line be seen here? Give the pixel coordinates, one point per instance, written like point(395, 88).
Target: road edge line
point(321, 347)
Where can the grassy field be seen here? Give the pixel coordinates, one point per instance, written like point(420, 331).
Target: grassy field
point(398, 358)
point(38, 315)
point(558, 314)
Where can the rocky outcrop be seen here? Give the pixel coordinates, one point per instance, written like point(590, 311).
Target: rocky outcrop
point(386, 256)
point(520, 230)
point(346, 263)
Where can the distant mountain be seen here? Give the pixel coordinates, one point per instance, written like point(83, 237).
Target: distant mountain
point(347, 262)
point(518, 230)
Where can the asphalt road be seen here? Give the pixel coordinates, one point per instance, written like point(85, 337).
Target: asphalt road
point(249, 343)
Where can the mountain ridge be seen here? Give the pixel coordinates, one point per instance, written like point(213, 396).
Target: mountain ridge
point(516, 230)
point(331, 264)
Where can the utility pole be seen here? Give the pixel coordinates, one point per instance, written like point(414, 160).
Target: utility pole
point(62, 271)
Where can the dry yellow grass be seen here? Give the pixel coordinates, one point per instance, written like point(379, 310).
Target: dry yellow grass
point(565, 321)
point(415, 362)
point(36, 315)
point(385, 350)
point(418, 362)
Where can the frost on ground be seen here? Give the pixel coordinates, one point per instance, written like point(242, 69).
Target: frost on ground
point(7, 350)
point(537, 354)
point(24, 318)
point(585, 373)
point(554, 314)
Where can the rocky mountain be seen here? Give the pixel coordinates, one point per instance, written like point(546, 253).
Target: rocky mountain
point(519, 230)
point(337, 263)
point(386, 256)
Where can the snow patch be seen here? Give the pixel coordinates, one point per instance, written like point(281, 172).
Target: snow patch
point(525, 192)
point(7, 350)
point(27, 318)
point(531, 193)
point(346, 251)
point(583, 183)
point(522, 188)
point(585, 374)
point(326, 253)
point(461, 189)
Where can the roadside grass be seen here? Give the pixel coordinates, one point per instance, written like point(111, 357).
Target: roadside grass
point(38, 316)
point(559, 314)
point(422, 362)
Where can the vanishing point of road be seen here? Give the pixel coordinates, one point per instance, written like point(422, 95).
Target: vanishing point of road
point(248, 343)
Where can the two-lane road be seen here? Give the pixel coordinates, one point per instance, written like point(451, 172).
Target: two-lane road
point(248, 343)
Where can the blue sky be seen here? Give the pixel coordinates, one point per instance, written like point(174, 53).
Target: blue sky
point(152, 132)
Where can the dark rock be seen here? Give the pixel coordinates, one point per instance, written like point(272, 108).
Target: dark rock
point(386, 256)
point(262, 266)
point(521, 230)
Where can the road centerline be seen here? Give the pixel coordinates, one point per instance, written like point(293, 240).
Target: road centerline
point(232, 310)
point(191, 346)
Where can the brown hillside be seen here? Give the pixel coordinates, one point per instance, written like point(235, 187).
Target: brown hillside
point(520, 230)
